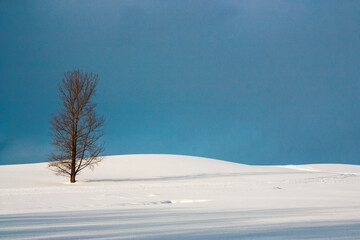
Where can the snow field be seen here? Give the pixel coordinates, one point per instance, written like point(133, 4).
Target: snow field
point(181, 197)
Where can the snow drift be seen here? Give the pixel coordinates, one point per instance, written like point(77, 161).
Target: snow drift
point(171, 196)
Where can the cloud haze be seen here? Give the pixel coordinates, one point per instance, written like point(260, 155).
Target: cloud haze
point(254, 82)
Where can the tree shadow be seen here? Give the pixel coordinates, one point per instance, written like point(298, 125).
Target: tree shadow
point(186, 177)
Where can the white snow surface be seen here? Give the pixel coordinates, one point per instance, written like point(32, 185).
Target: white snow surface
point(181, 197)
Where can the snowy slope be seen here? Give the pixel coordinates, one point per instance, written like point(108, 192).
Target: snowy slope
point(181, 197)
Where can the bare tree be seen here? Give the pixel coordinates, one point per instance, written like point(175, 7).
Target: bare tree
point(76, 129)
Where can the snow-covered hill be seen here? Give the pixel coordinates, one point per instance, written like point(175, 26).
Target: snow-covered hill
point(181, 197)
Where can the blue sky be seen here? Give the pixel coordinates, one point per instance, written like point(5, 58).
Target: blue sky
point(256, 82)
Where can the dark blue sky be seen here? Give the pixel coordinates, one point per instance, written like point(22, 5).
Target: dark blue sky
point(256, 82)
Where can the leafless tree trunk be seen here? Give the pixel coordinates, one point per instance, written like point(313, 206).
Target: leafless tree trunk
point(76, 129)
